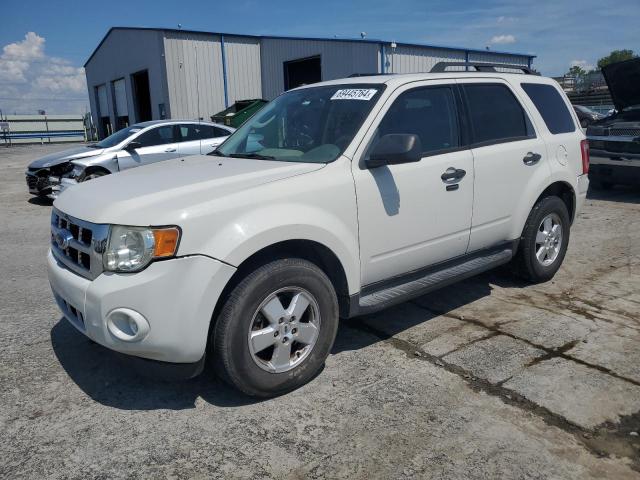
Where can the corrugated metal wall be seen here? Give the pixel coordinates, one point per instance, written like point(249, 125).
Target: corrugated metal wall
point(410, 59)
point(243, 68)
point(123, 53)
point(338, 59)
point(194, 74)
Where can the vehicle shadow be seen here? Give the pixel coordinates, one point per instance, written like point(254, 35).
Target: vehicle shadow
point(618, 193)
point(44, 202)
point(393, 321)
point(108, 379)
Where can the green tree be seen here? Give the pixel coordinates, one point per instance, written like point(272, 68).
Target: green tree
point(616, 56)
point(576, 71)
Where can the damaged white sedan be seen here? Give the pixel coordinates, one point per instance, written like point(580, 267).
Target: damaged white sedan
point(139, 144)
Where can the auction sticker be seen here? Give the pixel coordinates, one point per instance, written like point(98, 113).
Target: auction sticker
point(354, 94)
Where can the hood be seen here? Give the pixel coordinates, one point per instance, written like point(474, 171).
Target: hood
point(66, 155)
point(623, 79)
point(162, 193)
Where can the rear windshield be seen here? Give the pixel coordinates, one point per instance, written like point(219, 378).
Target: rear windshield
point(551, 106)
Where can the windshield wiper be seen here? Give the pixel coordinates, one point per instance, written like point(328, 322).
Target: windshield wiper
point(256, 156)
point(216, 153)
point(93, 145)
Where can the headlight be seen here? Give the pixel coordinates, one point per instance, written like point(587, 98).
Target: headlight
point(130, 249)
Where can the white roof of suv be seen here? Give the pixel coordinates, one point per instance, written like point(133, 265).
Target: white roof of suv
point(396, 79)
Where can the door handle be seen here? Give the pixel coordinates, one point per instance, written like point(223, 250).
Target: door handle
point(531, 158)
point(170, 149)
point(453, 174)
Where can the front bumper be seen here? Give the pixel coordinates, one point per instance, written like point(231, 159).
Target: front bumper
point(612, 167)
point(42, 185)
point(176, 298)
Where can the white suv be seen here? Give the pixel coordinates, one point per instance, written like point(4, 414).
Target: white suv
point(335, 200)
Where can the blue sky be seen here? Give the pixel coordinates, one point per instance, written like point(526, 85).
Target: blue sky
point(42, 69)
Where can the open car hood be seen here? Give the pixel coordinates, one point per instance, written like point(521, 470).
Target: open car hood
point(623, 79)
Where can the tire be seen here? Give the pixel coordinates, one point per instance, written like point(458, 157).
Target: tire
point(584, 123)
point(94, 174)
point(527, 262)
point(259, 371)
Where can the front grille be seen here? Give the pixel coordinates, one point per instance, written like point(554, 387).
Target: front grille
point(37, 182)
point(78, 244)
point(624, 132)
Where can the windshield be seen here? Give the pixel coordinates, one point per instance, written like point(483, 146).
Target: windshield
point(311, 125)
point(116, 138)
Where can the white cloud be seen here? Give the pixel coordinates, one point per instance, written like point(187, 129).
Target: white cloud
point(585, 65)
point(502, 39)
point(31, 80)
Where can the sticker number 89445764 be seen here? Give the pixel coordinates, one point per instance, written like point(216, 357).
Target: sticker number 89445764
point(354, 94)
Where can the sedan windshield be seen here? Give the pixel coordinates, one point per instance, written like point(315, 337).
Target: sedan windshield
point(312, 125)
point(116, 138)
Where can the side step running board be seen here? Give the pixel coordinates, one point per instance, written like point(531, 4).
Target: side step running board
point(431, 280)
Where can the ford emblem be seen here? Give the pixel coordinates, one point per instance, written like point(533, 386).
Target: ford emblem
point(63, 238)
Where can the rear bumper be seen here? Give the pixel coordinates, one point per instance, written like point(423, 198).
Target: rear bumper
point(173, 300)
point(581, 194)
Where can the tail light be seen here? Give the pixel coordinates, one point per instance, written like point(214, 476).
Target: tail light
point(584, 150)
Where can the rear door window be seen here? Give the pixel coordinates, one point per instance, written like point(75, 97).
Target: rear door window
point(496, 115)
point(220, 132)
point(551, 106)
point(188, 133)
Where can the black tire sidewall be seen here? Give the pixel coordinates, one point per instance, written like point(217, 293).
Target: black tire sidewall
point(231, 346)
point(536, 271)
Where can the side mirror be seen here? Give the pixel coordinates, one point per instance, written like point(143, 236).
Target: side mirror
point(395, 148)
point(131, 146)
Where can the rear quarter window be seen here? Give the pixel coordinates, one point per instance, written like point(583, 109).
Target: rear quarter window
point(551, 106)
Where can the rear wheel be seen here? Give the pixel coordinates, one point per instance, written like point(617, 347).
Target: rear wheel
point(544, 240)
point(276, 328)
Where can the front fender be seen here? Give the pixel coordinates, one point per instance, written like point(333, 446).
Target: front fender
point(238, 240)
point(108, 161)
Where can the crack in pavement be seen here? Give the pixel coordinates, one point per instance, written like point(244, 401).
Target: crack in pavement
point(603, 440)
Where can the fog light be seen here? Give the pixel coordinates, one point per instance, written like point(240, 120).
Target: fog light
point(127, 325)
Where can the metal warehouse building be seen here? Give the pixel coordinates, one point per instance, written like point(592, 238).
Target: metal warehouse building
point(138, 74)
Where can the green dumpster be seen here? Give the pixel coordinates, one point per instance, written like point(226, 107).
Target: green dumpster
point(239, 112)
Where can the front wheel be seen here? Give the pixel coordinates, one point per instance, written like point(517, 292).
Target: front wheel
point(276, 328)
point(94, 174)
point(544, 240)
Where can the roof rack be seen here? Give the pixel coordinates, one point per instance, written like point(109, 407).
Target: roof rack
point(481, 67)
point(354, 75)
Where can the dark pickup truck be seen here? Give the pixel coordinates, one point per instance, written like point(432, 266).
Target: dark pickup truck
point(614, 141)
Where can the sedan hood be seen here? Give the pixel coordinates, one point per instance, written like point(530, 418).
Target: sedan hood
point(165, 192)
point(64, 156)
point(623, 79)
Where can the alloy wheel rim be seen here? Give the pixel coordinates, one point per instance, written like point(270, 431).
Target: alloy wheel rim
point(284, 329)
point(549, 239)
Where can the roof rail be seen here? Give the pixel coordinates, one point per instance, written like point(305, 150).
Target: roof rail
point(354, 75)
point(481, 67)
